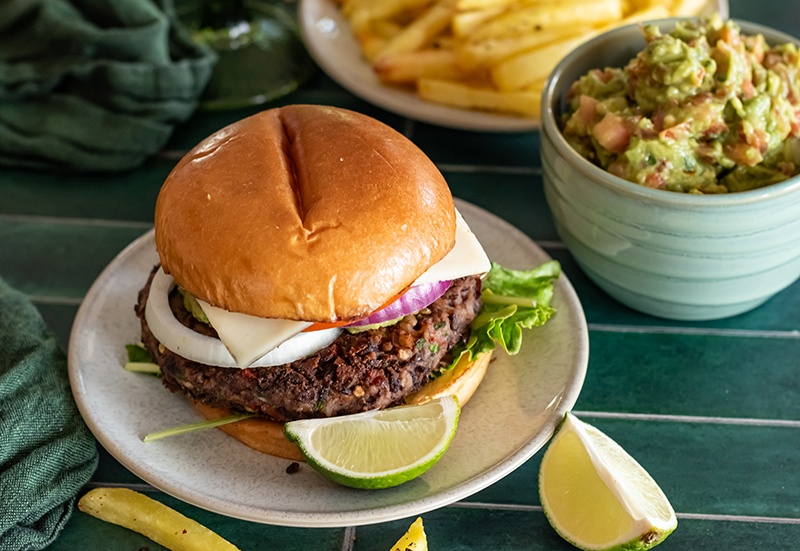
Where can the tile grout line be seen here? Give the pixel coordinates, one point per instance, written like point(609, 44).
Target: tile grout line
point(490, 169)
point(550, 244)
point(348, 538)
point(685, 516)
point(134, 224)
point(738, 518)
point(701, 331)
point(136, 486)
point(106, 222)
point(691, 419)
point(408, 128)
point(600, 327)
point(408, 131)
point(350, 531)
point(496, 506)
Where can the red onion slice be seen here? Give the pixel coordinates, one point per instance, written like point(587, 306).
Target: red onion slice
point(416, 298)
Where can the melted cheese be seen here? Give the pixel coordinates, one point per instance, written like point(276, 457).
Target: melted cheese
point(466, 258)
point(210, 350)
point(249, 337)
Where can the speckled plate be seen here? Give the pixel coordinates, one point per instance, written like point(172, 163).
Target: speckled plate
point(510, 417)
point(331, 43)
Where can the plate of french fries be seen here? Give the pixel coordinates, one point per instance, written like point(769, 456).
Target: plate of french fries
point(468, 64)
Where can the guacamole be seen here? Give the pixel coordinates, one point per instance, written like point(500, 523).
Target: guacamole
point(703, 109)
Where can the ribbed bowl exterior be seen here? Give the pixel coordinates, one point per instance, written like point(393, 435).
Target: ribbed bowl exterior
point(668, 254)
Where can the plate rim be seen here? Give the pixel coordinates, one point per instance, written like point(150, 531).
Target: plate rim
point(399, 101)
point(353, 517)
point(395, 100)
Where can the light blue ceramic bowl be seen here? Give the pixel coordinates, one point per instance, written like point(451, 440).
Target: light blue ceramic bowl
point(668, 254)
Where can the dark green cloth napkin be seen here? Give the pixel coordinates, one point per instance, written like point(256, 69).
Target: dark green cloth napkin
point(94, 85)
point(46, 452)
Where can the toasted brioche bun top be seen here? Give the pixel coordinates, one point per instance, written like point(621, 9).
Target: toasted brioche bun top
point(303, 212)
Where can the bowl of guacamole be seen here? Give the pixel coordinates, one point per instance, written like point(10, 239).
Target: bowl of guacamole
point(671, 153)
point(703, 108)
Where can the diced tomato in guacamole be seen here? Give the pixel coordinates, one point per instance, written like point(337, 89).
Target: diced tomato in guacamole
point(703, 109)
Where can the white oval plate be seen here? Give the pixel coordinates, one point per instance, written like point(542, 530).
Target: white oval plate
point(330, 42)
point(510, 417)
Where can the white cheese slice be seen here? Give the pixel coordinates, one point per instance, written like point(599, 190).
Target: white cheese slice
point(249, 337)
point(211, 351)
point(466, 258)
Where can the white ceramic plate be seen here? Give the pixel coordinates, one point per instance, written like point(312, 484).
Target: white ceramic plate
point(510, 417)
point(330, 42)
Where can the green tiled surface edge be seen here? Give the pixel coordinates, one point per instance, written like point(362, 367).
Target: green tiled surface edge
point(68, 256)
point(737, 480)
point(693, 375)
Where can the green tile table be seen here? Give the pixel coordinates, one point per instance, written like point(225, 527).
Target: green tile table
point(711, 409)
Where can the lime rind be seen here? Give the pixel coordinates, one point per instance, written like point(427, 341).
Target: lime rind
point(648, 539)
point(651, 516)
point(377, 434)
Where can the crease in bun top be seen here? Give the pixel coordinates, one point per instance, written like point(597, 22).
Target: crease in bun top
point(312, 263)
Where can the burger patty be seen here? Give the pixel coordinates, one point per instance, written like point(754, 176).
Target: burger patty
point(357, 372)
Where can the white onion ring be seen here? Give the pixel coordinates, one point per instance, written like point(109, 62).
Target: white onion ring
point(416, 298)
point(181, 340)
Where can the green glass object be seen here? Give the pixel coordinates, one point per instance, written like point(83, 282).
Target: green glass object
point(261, 55)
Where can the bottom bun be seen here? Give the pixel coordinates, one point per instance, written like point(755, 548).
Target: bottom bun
point(267, 436)
point(261, 434)
point(462, 380)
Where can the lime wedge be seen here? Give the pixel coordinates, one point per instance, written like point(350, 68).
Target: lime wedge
point(381, 448)
point(414, 539)
point(596, 496)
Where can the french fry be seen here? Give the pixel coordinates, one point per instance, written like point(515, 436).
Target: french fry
point(371, 45)
point(688, 7)
point(151, 518)
point(362, 12)
point(457, 94)
point(467, 5)
point(386, 28)
point(411, 66)
point(528, 67)
point(373, 39)
point(489, 52)
point(421, 31)
point(545, 16)
point(491, 55)
point(638, 5)
point(465, 23)
point(656, 11)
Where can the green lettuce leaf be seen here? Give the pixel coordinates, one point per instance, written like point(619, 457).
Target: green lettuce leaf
point(513, 300)
point(140, 361)
point(138, 354)
point(191, 304)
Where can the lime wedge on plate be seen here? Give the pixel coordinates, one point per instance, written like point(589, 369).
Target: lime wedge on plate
point(381, 448)
point(598, 497)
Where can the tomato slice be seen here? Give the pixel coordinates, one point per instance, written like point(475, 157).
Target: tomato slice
point(319, 326)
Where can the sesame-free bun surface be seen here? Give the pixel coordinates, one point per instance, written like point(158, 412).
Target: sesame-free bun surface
point(267, 436)
point(303, 212)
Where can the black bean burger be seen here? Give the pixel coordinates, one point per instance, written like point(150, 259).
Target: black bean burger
point(312, 264)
